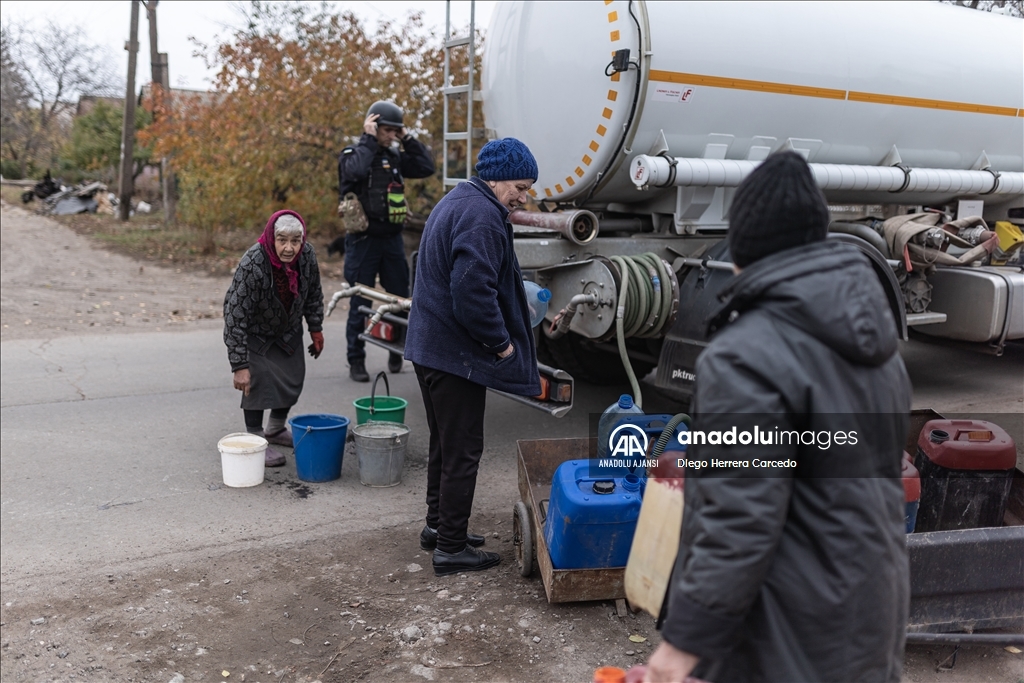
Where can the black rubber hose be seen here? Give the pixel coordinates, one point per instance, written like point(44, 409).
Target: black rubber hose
point(667, 432)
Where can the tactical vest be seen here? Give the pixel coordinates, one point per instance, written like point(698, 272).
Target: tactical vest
point(383, 193)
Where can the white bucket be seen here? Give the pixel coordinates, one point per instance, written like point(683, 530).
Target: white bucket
point(242, 456)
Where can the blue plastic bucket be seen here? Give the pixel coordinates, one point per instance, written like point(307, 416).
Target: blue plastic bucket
point(319, 445)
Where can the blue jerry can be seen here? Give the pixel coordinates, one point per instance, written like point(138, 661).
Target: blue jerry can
point(591, 515)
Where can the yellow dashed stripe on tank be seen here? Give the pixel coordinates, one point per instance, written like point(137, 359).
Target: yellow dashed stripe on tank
point(614, 35)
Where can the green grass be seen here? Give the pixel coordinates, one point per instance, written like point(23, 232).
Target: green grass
point(12, 194)
point(145, 237)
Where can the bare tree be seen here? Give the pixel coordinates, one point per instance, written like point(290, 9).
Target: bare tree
point(15, 95)
point(54, 65)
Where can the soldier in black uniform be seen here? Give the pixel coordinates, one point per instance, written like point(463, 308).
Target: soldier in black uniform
point(374, 169)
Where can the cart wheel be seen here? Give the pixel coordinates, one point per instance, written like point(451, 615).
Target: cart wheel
point(522, 538)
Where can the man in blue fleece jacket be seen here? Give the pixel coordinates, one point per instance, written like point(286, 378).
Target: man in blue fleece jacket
point(469, 330)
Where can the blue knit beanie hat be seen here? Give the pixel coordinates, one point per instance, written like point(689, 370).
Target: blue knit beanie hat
point(506, 159)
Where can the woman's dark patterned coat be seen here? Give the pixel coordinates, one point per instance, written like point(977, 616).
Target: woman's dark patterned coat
point(254, 315)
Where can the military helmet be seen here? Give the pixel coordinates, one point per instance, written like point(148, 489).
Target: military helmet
point(389, 112)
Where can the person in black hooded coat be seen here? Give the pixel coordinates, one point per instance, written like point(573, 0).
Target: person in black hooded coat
point(794, 573)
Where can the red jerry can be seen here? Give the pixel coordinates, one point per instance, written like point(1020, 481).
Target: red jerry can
point(966, 470)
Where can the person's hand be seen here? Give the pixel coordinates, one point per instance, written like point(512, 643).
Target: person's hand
point(243, 382)
point(507, 352)
point(370, 124)
point(317, 347)
point(669, 665)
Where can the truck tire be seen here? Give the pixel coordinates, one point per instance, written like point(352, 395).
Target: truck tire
point(575, 355)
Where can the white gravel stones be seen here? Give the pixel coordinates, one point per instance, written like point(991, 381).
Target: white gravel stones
point(411, 634)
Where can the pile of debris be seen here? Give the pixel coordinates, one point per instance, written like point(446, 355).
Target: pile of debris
point(59, 200)
point(64, 201)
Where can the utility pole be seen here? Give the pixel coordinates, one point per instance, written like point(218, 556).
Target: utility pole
point(127, 185)
point(161, 76)
point(154, 56)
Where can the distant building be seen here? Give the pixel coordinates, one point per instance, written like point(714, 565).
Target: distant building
point(86, 103)
point(204, 96)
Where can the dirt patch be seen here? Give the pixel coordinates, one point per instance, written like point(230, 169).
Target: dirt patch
point(325, 612)
point(101, 276)
point(316, 611)
point(146, 239)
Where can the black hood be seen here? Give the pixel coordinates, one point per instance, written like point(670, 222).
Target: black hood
point(827, 289)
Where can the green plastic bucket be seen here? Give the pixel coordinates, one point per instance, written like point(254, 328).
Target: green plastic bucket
point(380, 408)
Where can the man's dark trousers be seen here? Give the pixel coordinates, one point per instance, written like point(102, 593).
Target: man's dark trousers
point(367, 256)
point(455, 415)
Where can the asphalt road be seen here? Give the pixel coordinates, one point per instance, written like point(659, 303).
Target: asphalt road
point(109, 445)
point(110, 456)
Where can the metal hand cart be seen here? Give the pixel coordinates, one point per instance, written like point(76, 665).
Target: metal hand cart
point(538, 460)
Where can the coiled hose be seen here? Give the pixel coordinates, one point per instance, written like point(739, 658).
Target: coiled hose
point(644, 306)
point(666, 434)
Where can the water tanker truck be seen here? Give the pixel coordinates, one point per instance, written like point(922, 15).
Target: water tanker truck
point(644, 118)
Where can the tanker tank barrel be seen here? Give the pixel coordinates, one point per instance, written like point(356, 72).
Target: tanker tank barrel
point(659, 171)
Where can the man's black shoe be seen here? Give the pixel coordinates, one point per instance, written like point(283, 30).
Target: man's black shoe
point(357, 371)
point(394, 363)
point(469, 560)
point(428, 539)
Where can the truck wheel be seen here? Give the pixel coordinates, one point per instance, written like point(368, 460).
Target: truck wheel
point(522, 538)
point(574, 354)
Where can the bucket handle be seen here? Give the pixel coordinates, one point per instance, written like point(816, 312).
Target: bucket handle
point(373, 389)
point(308, 430)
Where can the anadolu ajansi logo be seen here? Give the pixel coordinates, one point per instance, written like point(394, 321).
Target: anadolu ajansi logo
point(627, 441)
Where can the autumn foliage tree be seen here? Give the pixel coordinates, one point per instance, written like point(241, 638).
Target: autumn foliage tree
point(292, 90)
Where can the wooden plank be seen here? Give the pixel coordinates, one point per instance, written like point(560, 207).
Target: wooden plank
point(655, 545)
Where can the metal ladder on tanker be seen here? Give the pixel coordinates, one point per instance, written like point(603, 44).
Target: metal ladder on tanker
point(559, 391)
point(452, 92)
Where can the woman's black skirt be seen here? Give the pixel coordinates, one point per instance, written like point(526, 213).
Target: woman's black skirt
point(276, 375)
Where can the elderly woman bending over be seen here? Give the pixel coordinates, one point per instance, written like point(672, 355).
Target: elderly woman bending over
point(277, 283)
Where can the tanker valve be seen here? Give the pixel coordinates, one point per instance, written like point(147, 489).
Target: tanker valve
point(560, 325)
point(392, 303)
